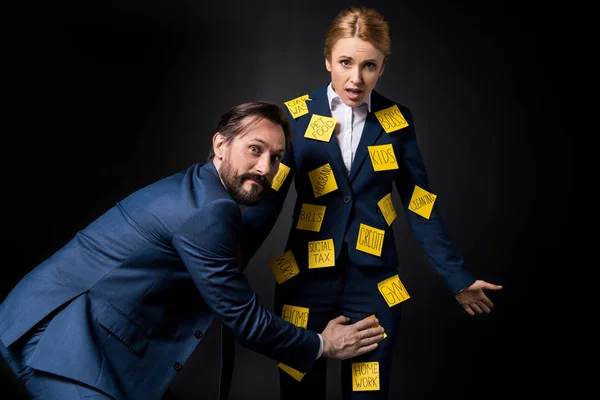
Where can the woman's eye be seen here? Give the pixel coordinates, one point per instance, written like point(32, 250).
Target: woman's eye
point(370, 65)
point(254, 149)
point(345, 63)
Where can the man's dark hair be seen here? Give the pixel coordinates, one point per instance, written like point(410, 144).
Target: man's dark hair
point(231, 124)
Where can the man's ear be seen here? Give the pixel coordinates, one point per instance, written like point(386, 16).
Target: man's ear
point(218, 145)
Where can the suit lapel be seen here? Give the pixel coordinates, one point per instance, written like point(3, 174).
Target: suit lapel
point(371, 132)
point(320, 106)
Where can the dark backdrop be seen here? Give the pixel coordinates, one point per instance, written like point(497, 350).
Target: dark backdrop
point(102, 98)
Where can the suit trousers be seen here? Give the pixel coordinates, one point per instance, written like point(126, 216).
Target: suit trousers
point(350, 290)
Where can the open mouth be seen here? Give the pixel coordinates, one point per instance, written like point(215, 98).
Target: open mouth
point(353, 94)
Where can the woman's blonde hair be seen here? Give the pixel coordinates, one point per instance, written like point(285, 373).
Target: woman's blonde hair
point(360, 22)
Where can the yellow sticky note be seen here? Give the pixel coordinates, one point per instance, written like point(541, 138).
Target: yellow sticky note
point(297, 375)
point(279, 178)
point(322, 180)
point(296, 315)
point(422, 202)
point(284, 267)
point(370, 240)
point(391, 119)
point(393, 291)
point(297, 107)
point(320, 128)
point(365, 376)
point(378, 325)
point(311, 217)
point(383, 157)
point(387, 208)
point(299, 317)
point(321, 254)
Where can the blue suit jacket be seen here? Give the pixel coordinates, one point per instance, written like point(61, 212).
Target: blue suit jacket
point(131, 294)
point(355, 202)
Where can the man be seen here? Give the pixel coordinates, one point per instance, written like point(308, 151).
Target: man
point(119, 309)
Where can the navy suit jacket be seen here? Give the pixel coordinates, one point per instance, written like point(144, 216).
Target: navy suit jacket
point(132, 293)
point(355, 202)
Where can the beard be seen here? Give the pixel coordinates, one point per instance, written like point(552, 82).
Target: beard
point(235, 185)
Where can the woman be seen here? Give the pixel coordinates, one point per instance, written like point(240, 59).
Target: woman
point(350, 145)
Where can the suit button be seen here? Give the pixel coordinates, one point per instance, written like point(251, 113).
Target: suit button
point(177, 366)
point(347, 199)
point(198, 334)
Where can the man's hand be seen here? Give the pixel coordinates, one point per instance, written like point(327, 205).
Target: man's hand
point(342, 341)
point(474, 300)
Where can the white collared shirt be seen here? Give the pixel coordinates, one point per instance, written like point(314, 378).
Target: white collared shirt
point(351, 123)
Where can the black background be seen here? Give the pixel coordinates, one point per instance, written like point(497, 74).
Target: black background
point(102, 98)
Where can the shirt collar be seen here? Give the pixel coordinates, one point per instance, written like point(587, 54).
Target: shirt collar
point(332, 95)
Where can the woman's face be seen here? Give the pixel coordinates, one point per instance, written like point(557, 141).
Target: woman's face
point(355, 67)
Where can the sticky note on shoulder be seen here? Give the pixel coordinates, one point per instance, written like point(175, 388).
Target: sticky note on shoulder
point(393, 291)
point(297, 107)
point(421, 202)
point(365, 376)
point(280, 177)
point(284, 267)
point(391, 119)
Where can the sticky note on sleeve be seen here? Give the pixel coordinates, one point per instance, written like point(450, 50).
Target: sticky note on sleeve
point(297, 107)
point(422, 202)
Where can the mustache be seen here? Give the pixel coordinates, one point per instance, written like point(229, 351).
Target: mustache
point(259, 178)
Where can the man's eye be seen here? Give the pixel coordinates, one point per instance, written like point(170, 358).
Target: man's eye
point(276, 158)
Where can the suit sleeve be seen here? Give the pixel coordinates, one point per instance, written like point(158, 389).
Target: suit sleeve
point(259, 220)
point(207, 245)
point(430, 233)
